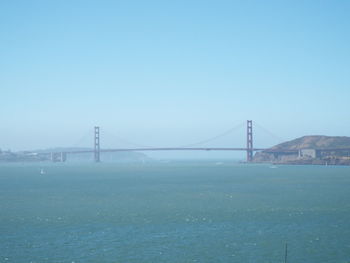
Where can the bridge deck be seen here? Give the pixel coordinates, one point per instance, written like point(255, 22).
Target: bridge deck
point(163, 149)
point(196, 149)
point(267, 150)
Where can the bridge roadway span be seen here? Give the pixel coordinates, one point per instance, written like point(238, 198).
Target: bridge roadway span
point(267, 150)
point(166, 149)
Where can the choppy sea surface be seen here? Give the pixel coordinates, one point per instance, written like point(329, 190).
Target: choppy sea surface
point(174, 212)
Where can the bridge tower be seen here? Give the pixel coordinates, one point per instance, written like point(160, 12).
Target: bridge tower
point(97, 144)
point(249, 141)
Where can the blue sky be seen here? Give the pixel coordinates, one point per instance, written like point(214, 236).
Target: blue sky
point(169, 73)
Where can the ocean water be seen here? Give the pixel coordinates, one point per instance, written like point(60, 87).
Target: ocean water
point(174, 212)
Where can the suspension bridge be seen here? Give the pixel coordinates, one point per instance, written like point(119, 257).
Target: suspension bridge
point(97, 150)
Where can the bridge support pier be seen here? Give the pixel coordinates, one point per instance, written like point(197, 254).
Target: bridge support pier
point(63, 157)
point(249, 141)
point(58, 157)
point(52, 157)
point(97, 144)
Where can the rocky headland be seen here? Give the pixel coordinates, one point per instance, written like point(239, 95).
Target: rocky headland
point(317, 149)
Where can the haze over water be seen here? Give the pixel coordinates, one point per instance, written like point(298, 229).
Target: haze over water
point(174, 212)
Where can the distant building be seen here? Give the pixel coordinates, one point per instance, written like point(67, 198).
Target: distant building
point(308, 153)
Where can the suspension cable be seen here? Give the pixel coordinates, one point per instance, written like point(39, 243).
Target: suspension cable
point(215, 137)
point(125, 141)
point(269, 132)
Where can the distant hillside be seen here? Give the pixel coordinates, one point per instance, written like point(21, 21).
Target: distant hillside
point(105, 157)
point(315, 149)
point(62, 149)
point(315, 142)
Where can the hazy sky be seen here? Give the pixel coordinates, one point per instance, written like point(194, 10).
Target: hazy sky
point(169, 73)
